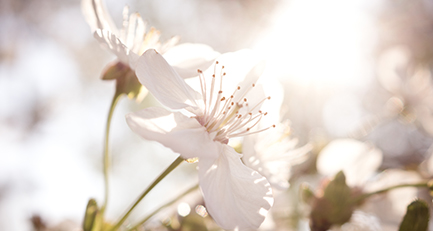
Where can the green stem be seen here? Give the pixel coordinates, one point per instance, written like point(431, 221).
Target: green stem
point(106, 159)
point(366, 195)
point(163, 206)
point(155, 182)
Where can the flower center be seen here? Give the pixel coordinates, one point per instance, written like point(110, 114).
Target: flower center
point(229, 116)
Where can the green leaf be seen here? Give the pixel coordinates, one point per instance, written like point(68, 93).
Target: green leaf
point(416, 218)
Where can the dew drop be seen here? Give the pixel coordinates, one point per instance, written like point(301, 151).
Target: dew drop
point(192, 160)
point(201, 210)
point(183, 209)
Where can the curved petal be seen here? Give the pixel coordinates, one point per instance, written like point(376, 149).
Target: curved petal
point(235, 195)
point(97, 15)
point(111, 42)
point(176, 131)
point(188, 57)
point(164, 83)
point(358, 160)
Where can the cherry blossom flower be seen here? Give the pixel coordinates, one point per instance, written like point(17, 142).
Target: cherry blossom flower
point(237, 197)
point(129, 42)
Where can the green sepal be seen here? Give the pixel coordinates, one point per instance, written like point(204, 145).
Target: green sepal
point(335, 207)
point(340, 196)
point(307, 194)
point(416, 218)
point(92, 217)
point(126, 81)
point(114, 71)
point(430, 187)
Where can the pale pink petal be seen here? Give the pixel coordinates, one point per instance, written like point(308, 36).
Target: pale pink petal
point(97, 15)
point(164, 83)
point(176, 131)
point(236, 196)
point(111, 42)
point(188, 57)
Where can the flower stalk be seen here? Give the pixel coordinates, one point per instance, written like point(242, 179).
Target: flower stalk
point(163, 206)
point(367, 195)
point(106, 159)
point(155, 182)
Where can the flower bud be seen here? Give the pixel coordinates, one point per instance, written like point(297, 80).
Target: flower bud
point(91, 221)
point(126, 81)
point(335, 207)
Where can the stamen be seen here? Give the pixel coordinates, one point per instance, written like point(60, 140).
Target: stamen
point(259, 103)
point(203, 88)
point(246, 134)
point(225, 118)
point(245, 93)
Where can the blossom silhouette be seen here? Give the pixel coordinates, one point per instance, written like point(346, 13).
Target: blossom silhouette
point(237, 197)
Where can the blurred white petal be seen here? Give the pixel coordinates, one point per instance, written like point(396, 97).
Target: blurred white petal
point(96, 15)
point(272, 154)
point(111, 42)
point(358, 160)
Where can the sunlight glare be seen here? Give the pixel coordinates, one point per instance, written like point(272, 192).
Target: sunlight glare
point(319, 42)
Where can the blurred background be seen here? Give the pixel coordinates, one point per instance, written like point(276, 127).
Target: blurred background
point(350, 69)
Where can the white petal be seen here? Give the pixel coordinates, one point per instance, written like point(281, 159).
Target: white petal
point(273, 88)
point(97, 15)
point(235, 195)
point(164, 83)
point(111, 42)
point(188, 57)
point(176, 131)
point(358, 160)
point(250, 78)
point(238, 67)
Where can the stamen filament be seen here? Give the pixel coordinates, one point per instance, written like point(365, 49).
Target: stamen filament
point(244, 133)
